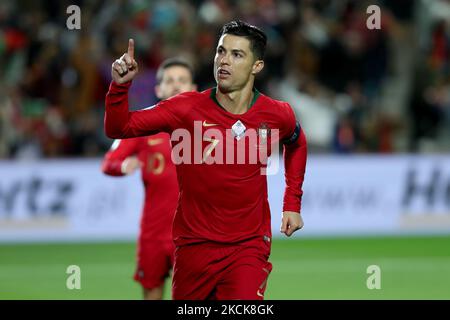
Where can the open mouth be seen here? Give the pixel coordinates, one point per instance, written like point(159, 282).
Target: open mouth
point(223, 73)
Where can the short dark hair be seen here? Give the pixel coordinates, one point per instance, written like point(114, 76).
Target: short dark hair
point(256, 36)
point(173, 62)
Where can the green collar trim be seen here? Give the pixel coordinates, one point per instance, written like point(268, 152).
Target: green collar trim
point(213, 96)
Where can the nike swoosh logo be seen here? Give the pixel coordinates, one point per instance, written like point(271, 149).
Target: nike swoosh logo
point(259, 294)
point(205, 124)
point(154, 142)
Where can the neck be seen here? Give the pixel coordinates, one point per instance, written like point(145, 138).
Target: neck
point(236, 102)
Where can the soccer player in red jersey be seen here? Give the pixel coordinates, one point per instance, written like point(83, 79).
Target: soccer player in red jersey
point(152, 154)
point(221, 228)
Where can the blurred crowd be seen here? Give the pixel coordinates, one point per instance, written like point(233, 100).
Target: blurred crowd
point(354, 89)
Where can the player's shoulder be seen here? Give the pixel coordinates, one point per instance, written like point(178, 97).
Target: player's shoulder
point(189, 94)
point(202, 95)
point(277, 106)
point(192, 95)
point(190, 98)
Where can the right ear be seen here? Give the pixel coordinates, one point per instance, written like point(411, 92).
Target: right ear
point(257, 66)
point(158, 91)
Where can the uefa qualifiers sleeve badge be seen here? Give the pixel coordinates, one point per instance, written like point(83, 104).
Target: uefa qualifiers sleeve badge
point(238, 129)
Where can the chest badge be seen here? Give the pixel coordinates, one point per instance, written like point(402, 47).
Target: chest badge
point(238, 129)
point(263, 133)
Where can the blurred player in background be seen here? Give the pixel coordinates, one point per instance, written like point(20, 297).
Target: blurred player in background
point(152, 155)
point(222, 227)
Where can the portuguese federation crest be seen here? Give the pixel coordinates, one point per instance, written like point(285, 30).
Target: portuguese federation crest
point(263, 132)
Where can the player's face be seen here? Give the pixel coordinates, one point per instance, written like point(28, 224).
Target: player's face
point(234, 63)
point(175, 80)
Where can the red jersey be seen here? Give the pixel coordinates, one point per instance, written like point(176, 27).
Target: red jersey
point(158, 176)
point(225, 203)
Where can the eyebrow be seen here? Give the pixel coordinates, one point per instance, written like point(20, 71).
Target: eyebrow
point(239, 51)
point(232, 50)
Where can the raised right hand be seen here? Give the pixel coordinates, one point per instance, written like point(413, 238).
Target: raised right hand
point(130, 165)
point(125, 68)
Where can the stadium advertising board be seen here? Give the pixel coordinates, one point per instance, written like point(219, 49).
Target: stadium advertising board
point(67, 200)
point(370, 195)
point(71, 200)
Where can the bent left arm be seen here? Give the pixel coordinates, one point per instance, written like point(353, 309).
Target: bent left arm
point(295, 155)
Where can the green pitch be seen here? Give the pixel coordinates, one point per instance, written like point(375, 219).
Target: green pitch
point(334, 268)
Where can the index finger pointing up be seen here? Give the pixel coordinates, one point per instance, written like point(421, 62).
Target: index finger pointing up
point(131, 48)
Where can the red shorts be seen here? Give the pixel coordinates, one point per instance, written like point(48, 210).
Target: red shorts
point(222, 272)
point(155, 261)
